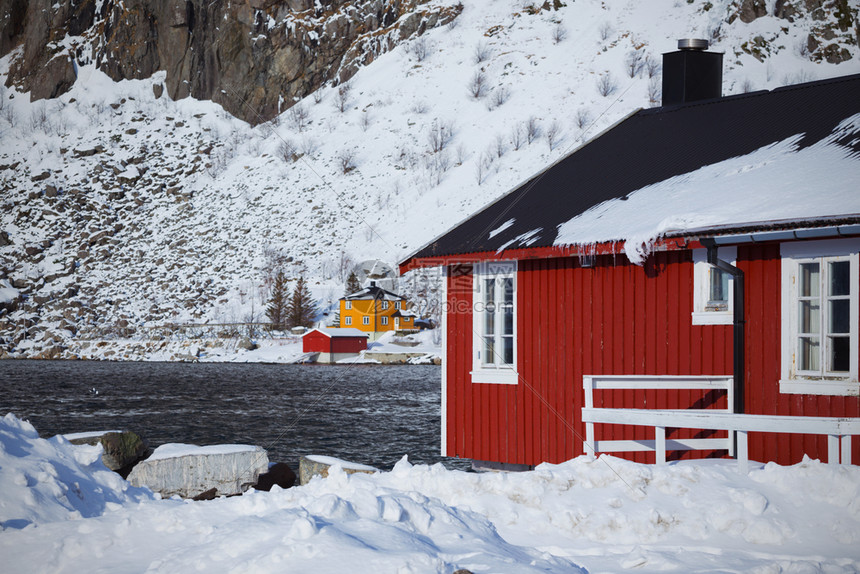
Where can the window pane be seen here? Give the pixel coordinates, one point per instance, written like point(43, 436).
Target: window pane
point(840, 274)
point(838, 316)
point(508, 290)
point(810, 313)
point(490, 321)
point(489, 351)
point(489, 291)
point(809, 281)
point(508, 353)
point(719, 286)
point(508, 326)
point(808, 354)
point(839, 360)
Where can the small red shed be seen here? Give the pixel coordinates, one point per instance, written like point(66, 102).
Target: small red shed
point(334, 344)
point(699, 260)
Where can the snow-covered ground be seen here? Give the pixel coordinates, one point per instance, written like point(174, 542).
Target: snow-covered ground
point(62, 511)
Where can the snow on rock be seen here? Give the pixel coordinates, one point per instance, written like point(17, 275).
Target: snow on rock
point(320, 465)
point(49, 480)
point(772, 183)
point(189, 470)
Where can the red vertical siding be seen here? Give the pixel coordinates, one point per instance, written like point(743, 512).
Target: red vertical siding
point(619, 318)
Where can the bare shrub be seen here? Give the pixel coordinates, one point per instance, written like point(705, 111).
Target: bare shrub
point(318, 96)
point(346, 157)
point(633, 63)
point(440, 135)
point(582, 118)
point(419, 48)
point(342, 98)
point(652, 66)
point(532, 129)
point(298, 116)
point(500, 95)
point(364, 122)
point(500, 145)
point(559, 33)
point(482, 167)
point(309, 146)
point(482, 52)
point(655, 91)
point(420, 107)
point(747, 86)
point(605, 31)
point(478, 85)
point(606, 85)
point(461, 154)
point(517, 137)
point(437, 165)
point(553, 135)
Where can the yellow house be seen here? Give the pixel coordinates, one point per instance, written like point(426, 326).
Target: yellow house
point(375, 310)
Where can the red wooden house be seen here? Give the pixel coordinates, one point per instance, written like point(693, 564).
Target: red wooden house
point(334, 344)
point(699, 256)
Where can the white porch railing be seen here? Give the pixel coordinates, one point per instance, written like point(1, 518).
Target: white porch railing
point(838, 430)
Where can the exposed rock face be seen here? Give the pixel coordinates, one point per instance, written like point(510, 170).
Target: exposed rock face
point(227, 470)
point(836, 24)
point(252, 57)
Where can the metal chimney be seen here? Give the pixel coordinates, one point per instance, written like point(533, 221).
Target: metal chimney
point(691, 73)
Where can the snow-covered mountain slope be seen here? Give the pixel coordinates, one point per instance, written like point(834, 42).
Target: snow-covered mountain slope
point(122, 211)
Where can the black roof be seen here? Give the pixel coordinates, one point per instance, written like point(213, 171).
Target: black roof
point(648, 147)
point(373, 292)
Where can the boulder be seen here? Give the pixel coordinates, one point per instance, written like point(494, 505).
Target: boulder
point(316, 465)
point(190, 470)
point(247, 344)
point(279, 473)
point(122, 449)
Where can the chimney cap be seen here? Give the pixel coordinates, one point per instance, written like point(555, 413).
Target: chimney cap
point(693, 44)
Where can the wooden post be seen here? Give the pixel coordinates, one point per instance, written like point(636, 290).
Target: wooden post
point(743, 454)
point(832, 449)
point(846, 449)
point(660, 444)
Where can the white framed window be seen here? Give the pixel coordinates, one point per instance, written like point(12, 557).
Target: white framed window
point(347, 320)
point(494, 323)
point(384, 305)
point(365, 320)
point(347, 304)
point(713, 303)
point(384, 320)
point(820, 294)
point(397, 304)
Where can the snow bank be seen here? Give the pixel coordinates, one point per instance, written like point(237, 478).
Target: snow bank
point(52, 480)
point(607, 515)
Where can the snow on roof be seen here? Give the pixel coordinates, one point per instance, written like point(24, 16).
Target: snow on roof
point(788, 154)
point(338, 332)
point(775, 182)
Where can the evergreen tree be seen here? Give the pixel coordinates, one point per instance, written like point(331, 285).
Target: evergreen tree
point(277, 309)
point(352, 284)
point(302, 309)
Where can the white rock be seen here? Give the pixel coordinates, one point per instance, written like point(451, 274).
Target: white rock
point(189, 470)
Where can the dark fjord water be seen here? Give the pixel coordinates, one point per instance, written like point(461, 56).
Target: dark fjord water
point(368, 414)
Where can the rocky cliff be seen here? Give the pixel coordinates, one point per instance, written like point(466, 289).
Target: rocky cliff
point(254, 57)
